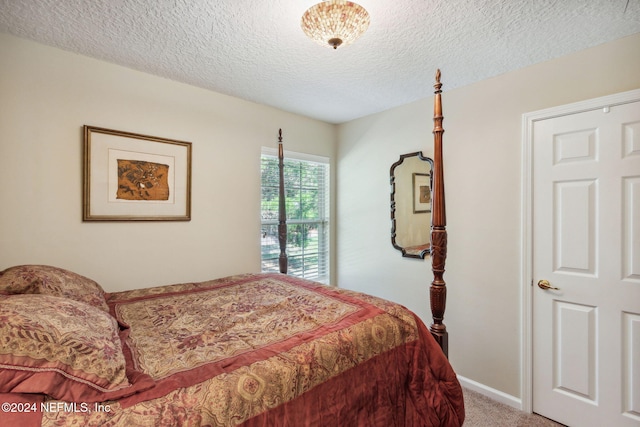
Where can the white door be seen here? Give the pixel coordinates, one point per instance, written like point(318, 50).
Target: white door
point(586, 243)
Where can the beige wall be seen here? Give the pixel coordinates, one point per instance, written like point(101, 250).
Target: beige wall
point(482, 149)
point(47, 95)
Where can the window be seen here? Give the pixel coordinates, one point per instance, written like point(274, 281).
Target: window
point(306, 181)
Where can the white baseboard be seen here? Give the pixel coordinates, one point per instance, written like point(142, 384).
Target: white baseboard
point(491, 393)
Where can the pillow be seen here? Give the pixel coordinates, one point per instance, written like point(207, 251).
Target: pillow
point(44, 279)
point(61, 347)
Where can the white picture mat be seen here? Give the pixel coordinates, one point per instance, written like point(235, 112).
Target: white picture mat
point(105, 149)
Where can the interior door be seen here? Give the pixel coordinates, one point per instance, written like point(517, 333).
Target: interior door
point(586, 243)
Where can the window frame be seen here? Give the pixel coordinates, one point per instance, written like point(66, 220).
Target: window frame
point(323, 222)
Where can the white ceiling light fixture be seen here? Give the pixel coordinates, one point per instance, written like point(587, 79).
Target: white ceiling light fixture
point(335, 23)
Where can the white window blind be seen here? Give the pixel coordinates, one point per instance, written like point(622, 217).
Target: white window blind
point(307, 203)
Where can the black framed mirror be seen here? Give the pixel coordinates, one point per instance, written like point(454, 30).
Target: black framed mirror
point(411, 181)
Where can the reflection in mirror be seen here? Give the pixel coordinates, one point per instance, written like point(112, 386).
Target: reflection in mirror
point(411, 181)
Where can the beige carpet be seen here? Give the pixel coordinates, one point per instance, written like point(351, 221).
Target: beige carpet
point(484, 412)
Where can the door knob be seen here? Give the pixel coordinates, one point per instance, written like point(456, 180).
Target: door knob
point(544, 284)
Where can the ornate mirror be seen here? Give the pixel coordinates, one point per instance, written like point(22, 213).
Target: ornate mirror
point(411, 181)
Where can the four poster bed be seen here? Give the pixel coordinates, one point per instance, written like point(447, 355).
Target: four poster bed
point(262, 349)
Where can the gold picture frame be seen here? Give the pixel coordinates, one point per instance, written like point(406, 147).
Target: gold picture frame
point(421, 193)
point(134, 177)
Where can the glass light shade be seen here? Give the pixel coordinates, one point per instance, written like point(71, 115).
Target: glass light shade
point(335, 23)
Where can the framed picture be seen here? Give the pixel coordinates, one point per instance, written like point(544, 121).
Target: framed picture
point(421, 192)
point(132, 177)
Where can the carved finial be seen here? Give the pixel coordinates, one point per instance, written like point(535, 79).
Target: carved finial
point(438, 85)
point(280, 136)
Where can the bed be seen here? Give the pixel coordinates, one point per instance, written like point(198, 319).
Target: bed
point(262, 349)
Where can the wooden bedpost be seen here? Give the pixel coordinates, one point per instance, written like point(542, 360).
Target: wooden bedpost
point(438, 289)
point(282, 210)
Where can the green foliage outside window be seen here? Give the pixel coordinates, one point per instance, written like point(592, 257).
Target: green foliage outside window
point(307, 225)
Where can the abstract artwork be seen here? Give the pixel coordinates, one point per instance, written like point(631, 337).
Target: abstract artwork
point(140, 180)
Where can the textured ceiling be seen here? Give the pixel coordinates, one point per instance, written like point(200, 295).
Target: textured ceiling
point(256, 50)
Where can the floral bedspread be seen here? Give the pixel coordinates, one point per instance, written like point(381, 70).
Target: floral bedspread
point(273, 350)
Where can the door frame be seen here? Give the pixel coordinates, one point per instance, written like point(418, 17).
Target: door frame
point(526, 218)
